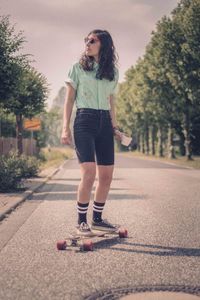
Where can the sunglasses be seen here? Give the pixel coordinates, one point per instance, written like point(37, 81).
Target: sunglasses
point(91, 41)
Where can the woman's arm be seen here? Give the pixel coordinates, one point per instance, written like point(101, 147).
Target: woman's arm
point(112, 111)
point(66, 136)
point(68, 105)
point(116, 131)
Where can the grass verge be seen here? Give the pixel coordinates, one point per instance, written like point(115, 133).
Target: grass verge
point(54, 156)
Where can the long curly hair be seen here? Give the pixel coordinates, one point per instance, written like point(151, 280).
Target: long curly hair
point(107, 56)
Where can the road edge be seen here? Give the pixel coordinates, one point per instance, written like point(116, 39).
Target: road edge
point(30, 191)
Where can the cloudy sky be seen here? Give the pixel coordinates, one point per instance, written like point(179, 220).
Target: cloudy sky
point(55, 29)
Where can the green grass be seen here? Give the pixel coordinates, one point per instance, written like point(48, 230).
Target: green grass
point(55, 156)
point(179, 160)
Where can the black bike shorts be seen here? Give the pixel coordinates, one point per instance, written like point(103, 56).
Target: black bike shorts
point(94, 136)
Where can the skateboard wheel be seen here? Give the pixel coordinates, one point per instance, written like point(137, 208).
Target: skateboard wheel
point(61, 245)
point(123, 233)
point(87, 245)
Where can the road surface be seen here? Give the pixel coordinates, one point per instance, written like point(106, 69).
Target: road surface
point(158, 203)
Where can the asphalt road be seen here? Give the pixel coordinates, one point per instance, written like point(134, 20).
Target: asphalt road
point(158, 203)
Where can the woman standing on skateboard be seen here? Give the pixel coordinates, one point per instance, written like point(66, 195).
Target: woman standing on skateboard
point(92, 84)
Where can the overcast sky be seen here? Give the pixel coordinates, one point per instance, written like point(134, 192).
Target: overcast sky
point(55, 29)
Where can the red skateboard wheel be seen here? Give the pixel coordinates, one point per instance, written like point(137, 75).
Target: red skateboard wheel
point(87, 245)
point(123, 233)
point(61, 245)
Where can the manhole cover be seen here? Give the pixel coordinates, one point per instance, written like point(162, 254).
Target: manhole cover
point(160, 296)
point(151, 292)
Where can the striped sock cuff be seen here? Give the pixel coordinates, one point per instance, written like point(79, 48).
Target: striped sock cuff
point(82, 207)
point(98, 206)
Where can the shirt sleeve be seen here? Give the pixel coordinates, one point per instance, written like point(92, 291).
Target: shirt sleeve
point(114, 88)
point(72, 76)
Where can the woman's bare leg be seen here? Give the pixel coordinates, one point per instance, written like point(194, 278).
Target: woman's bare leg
point(88, 173)
point(105, 174)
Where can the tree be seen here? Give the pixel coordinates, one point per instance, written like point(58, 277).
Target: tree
point(10, 60)
point(179, 46)
point(24, 90)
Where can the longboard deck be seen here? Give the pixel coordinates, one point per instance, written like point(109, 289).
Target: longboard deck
point(94, 233)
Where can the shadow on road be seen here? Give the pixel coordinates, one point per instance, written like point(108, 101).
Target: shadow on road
point(53, 191)
point(152, 249)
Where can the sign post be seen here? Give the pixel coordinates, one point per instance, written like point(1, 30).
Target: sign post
point(33, 124)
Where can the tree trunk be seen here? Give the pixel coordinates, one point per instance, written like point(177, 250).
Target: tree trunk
point(138, 141)
point(181, 144)
point(153, 138)
point(143, 142)
point(160, 141)
point(186, 132)
point(147, 138)
point(19, 129)
point(171, 152)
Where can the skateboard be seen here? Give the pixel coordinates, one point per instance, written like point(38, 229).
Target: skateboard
point(85, 243)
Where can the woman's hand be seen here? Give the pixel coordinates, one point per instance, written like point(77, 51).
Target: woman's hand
point(117, 134)
point(66, 137)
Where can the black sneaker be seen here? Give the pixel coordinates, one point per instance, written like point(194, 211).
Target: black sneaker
point(103, 225)
point(83, 229)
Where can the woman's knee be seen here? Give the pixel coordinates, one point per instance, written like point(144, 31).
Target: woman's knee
point(88, 170)
point(105, 174)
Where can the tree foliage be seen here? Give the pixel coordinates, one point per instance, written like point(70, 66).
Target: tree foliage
point(161, 93)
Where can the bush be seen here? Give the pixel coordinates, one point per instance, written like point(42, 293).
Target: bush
point(41, 156)
point(14, 168)
point(29, 166)
point(10, 174)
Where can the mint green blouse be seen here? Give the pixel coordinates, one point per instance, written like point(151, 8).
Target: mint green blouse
point(91, 92)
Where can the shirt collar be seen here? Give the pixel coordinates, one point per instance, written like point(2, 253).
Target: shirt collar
point(96, 64)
